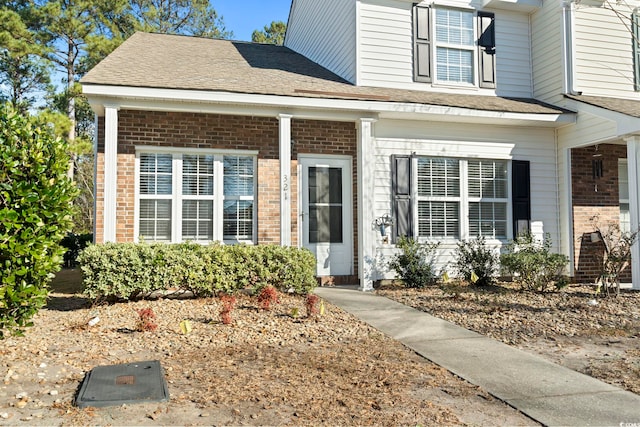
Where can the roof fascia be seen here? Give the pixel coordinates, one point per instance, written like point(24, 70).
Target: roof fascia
point(625, 123)
point(132, 96)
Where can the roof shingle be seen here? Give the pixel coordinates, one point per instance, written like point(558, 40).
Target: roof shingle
point(191, 63)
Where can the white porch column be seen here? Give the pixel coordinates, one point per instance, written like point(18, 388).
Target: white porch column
point(285, 179)
point(633, 159)
point(366, 206)
point(110, 171)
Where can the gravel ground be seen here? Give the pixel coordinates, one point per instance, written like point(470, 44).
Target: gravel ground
point(598, 336)
point(266, 368)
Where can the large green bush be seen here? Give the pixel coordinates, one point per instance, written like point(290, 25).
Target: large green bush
point(132, 270)
point(414, 262)
point(533, 264)
point(35, 214)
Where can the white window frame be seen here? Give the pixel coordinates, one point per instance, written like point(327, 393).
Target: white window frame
point(177, 196)
point(472, 49)
point(464, 200)
point(623, 166)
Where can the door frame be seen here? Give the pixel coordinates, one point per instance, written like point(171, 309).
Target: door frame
point(347, 194)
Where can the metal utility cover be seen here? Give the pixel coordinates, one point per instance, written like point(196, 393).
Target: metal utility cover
point(137, 382)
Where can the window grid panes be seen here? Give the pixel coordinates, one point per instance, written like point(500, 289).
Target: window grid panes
point(197, 203)
point(623, 187)
point(455, 46)
point(156, 188)
point(238, 197)
point(438, 197)
point(447, 187)
point(488, 199)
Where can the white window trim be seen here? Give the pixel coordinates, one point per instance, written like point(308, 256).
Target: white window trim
point(472, 48)
point(464, 199)
point(176, 197)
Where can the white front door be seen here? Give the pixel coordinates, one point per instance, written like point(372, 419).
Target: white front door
point(326, 213)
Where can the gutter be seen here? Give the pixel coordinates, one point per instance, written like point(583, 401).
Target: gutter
point(568, 48)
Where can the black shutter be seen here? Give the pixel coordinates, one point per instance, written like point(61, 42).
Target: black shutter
point(421, 44)
point(401, 193)
point(635, 30)
point(521, 195)
point(487, 49)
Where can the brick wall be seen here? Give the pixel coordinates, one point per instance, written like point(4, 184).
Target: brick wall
point(213, 131)
point(594, 196)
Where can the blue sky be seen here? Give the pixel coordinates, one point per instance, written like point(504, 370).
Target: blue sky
point(244, 16)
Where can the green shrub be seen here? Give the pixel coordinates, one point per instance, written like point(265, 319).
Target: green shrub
point(473, 256)
point(414, 263)
point(132, 270)
point(35, 214)
point(533, 265)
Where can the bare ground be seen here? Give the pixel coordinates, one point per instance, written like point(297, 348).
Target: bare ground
point(266, 368)
point(593, 334)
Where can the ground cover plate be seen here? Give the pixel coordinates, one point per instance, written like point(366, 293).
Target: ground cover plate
point(136, 382)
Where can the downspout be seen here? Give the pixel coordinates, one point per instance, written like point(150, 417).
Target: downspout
point(568, 48)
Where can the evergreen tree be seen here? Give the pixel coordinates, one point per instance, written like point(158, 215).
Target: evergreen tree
point(272, 34)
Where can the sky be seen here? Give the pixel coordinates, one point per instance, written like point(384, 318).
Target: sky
point(244, 16)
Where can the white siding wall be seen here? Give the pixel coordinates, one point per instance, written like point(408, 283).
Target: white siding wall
point(458, 140)
point(604, 58)
point(513, 50)
point(325, 32)
point(386, 50)
point(546, 39)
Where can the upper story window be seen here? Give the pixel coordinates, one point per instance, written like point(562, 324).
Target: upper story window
point(453, 46)
point(197, 196)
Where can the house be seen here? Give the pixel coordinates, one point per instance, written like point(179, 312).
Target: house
point(443, 120)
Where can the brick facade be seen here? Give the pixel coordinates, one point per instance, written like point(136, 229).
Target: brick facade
point(594, 196)
point(214, 131)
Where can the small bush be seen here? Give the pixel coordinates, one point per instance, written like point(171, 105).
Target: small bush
point(146, 321)
point(267, 297)
point(35, 214)
point(311, 304)
point(474, 256)
point(533, 265)
point(228, 304)
point(414, 263)
point(133, 270)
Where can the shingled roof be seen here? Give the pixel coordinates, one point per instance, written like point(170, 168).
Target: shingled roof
point(190, 63)
point(624, 106)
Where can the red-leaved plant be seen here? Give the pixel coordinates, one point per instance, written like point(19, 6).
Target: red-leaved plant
point(268, 296)
point(311, 304)
point(228, 303)
point(146, 320)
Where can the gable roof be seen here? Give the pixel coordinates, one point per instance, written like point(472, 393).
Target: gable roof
point(628, 107)
point(189, 63)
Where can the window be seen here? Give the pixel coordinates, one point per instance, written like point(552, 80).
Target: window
point(623, 187)
point(453, 198)
point(463, 46)
point(196, 196)
point(455, 46)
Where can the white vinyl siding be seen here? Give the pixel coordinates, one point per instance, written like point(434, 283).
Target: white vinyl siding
point(547, 62)
point(386, 50)
point(604, 53)
point(471, 141)
point(513, 55)
point(325, 32)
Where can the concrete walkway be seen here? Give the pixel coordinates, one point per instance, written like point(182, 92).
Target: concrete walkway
point(546, 392)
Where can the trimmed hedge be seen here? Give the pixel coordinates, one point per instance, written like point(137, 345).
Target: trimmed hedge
point(133, 270)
